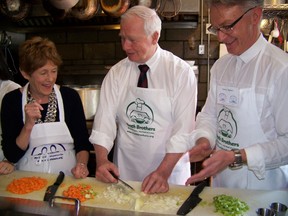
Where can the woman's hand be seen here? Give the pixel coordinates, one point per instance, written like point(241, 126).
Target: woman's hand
point(6, 167)
point(32, 113)
point(80, 170)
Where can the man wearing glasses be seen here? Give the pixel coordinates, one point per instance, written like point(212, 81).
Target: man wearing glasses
point(242, 131)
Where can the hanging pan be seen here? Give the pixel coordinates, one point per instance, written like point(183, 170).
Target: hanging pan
point(16, 10)
point(169, 8)
point(85, 9)
point(115, 8)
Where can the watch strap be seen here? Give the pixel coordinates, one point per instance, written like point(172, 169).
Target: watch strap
point(238, 162)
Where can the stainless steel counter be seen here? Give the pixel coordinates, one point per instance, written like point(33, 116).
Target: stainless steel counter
point(25, 207)
point(32, 204)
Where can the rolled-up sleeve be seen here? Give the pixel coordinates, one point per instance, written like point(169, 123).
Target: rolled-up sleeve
point(184, 111)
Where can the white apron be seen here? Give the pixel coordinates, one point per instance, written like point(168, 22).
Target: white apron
point(239, 127)
point(51, 146)
point(144, 129)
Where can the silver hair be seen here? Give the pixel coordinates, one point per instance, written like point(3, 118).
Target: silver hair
point(152, 22)
point(243, 3)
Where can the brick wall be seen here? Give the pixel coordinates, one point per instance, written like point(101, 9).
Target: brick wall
point(86, 52)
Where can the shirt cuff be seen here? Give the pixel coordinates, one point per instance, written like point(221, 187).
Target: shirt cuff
point(101, 139)
point(178, 144)
point(202, 133)
point(256, 160)
point(185, 142)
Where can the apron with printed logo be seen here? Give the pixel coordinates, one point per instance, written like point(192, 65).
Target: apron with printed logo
point(239, 127)
point(51, 146)
point(144, 129)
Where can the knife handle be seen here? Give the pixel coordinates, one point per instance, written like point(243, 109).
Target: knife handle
point(60, 178)
point(198, 189)
point(113, 174)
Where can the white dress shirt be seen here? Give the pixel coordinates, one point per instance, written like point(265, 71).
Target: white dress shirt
point(271, 102)
point(171, 96)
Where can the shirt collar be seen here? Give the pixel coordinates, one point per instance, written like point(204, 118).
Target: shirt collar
point(152, 62)
point(254, 50)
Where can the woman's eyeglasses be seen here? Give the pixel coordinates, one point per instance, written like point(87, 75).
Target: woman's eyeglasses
point(227, 28)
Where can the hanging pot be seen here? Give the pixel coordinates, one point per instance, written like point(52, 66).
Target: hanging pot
point(85, 9)
point(63, 4)
point(89, 95)
point(16, 10)
point(53, 11)
point(115, 8)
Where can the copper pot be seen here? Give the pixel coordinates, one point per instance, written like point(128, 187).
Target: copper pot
point(16, 10)
point(85, 9)
point(115, 8)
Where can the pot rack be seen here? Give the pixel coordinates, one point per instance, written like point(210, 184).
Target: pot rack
point(280, 10)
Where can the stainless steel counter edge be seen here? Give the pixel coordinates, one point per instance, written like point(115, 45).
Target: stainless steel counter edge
point(25, 207)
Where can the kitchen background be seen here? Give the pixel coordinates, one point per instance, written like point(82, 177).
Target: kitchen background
point(89, 44)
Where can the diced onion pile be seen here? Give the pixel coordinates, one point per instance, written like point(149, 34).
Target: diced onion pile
point(229, 206)
point(118, 194)
point(156, 202)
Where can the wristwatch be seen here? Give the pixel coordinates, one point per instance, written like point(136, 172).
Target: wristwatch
point(238, 163)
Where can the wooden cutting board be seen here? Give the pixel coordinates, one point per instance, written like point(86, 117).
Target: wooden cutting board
point(254, 198)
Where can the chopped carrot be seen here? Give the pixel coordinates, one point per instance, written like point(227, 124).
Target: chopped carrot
point(81, 192)
point(26, 185)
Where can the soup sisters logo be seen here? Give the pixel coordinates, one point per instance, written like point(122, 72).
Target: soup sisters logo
point(227, 129)
point(140, 116)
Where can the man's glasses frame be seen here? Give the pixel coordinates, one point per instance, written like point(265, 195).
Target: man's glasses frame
point(227, 28)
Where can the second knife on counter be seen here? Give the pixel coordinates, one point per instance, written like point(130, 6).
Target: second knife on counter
point(193, 200)
point(52, 189)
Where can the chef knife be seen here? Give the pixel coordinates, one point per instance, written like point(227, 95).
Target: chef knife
point(123, 182)
point(192, 200)
point(51, 190)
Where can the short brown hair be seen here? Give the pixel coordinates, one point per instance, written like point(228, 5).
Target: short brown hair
point(35, 52)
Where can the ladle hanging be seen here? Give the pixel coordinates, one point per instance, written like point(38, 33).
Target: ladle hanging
point(274, 33)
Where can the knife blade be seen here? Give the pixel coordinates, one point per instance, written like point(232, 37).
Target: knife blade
point(51, 190)
point(193, 200)
point(123, 182)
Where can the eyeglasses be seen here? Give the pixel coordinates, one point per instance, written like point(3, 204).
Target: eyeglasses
point(227, 28)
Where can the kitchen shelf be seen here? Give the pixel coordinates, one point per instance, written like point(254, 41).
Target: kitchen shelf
point(280, 10)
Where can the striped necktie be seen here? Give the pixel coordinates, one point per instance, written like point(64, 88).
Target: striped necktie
point(142, 81)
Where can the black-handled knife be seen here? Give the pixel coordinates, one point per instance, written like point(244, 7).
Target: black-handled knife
point(51, 190)
point(193, 200)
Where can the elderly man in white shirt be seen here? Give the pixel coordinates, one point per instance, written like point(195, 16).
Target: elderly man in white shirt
point(144, 120)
